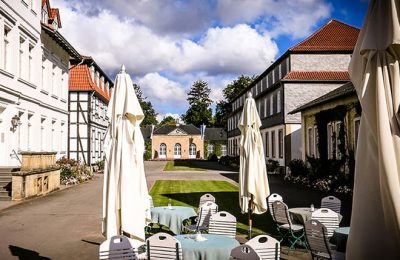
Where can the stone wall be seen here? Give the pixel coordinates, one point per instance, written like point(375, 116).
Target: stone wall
point(171, 140)
point(319, 62)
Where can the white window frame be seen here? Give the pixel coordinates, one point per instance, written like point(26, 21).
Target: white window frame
point(278, 101)
point(192, 150)
point(177, 150)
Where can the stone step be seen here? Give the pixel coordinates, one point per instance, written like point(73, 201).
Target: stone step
point(5, 183)
point(5, 195)
point(8, 169)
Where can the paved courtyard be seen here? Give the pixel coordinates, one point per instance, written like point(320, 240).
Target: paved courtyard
point(67, 224)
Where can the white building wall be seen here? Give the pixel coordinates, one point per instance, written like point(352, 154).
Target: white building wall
point(43, 118)
point(319, 62)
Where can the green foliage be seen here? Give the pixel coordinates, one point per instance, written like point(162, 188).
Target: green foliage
point(72, 171)
point(213, 157)
point(199, 111)
point(222, 111)
point(147, 152)
point(169, 120)
point(183, 165)
point(272, 166)
point(150, 115)
point(232, 161)
point(298, 168)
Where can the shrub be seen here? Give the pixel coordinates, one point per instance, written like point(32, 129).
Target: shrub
point(272, 166)
point(213, 157)
point(298, 168)
point(232, 161)
point(73, 172)
point(147, 155)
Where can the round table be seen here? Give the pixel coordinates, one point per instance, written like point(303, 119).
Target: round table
point(339, 238)
point(215, 247)
point(301, 215)
point(172, 217)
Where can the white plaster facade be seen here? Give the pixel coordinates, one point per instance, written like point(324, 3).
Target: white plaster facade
point(33, 85)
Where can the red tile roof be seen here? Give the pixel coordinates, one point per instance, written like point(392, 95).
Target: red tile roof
point(333, 36)
point(318, 75)
point(80, 80)
point(55, 13)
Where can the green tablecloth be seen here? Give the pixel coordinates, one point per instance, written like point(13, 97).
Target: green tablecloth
point(301, 215)
point(172, 218)
point(339, 238)
point(215, 247)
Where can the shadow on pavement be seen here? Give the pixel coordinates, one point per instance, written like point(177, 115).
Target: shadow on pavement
point(26, 254)
point(90, 242)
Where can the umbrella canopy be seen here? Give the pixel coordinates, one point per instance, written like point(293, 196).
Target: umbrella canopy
point(126, 206)
point(253, 180)
point(375, 73)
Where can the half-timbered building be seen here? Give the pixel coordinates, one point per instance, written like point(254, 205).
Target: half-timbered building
point(89, 94)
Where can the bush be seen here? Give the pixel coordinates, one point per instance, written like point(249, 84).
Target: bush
point(213, 157)
point(147, 155)
point(272, 166)
point(298, 168)
point(229, 161)
point(73, 172)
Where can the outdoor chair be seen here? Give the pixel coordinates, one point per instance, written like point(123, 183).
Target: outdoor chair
point(163, 246)
point(286, 228)
point(222, 223)
point(244, 252)
point(317, 239)
point(206, 197)
point(151, 201)
point(328, 218)
point(272, 198)
point(117, 247)
point(203, 220)
point(331, 202)
point(267, 247)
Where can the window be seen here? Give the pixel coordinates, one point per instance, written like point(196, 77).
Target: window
point(278, 101)
point(192, 150)
point(19, 136)
point(62, 136)
point(53, 80)
point(310, 142)
point(210, 149)
point(42, 121)
point(316, 152)
point(356, 129)
point(280, 139)
point(177, 149)
point(28, 136)
point(337, 140)
point(273, 143)
point(271, 104)
point(267, 144)
point(21, 57)
point(30, 64)
point(234, 147)
point(330, 136)
point(52, 136)
point(265, 107)
point(7, 49)
point(223, 149)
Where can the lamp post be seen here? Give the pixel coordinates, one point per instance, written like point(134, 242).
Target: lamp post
point(14, 123)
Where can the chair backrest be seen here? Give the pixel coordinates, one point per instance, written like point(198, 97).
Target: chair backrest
point(331, 202)
point(206, 210)
point(222, 223)
point(317, 238)
point(117, 247)
point(271, 199)
point(151, 201)
point(267, 247)
point(206, 197)
point(281, 213)
point(328, 218)
point(163, 246)
point(244, 252)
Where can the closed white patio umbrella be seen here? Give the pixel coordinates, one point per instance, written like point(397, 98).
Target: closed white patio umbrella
point(253, 179)
point(375, 73)
point(126, 206)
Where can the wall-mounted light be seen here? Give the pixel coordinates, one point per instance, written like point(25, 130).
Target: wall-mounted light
point(15, 120)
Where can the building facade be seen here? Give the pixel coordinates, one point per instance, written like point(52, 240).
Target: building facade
point(215, 142)
point(34, 65)
point(89, 93)
point(305, 72)
point(331, 124)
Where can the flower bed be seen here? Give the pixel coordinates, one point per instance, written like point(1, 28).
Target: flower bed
point(73, 172)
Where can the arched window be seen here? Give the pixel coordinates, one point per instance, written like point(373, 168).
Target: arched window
point(177, 150)
point(163, 150)
point(192, 150)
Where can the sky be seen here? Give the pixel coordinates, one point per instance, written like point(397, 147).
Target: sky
point(166, 45)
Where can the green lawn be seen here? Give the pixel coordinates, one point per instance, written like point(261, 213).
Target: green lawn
point(181, 165)
point(187, 193)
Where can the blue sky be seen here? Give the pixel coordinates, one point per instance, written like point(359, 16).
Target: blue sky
point(166, 45)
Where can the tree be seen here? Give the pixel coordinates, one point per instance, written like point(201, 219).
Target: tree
point(150, 115)
point(230, 92)
point(169, 120)
point(199, 111)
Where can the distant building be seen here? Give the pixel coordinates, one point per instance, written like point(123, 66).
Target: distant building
point(34, 64)
point(185, 142)
point(305, 72)
point(331, 124)
point(89, 94)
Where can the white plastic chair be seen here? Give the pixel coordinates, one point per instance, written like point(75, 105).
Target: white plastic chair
point(328, 218)
point(117, 247)
point(222, 223)
point(163, 246)
point(271, 199)
point(267, 247)
point(206, 197)
point(317, 239)
point(331, 202)
point(206, 210)
point(244, 252)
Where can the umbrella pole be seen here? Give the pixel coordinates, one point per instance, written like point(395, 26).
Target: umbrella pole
point(249, 215)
